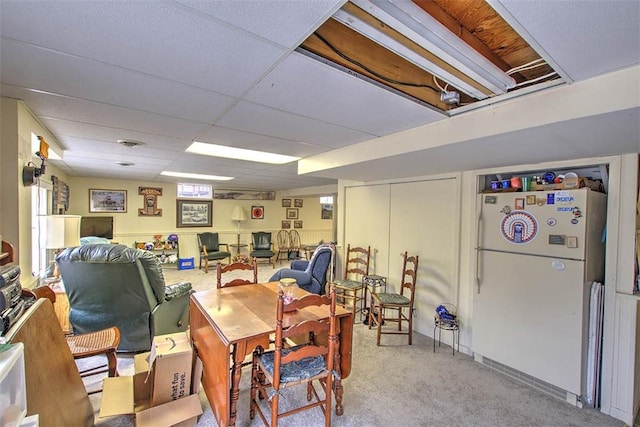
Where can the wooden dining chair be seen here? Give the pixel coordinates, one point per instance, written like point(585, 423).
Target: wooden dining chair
point(91, 344)
point(401, 302)
point(236, 267)
point(349, 289)
point(282, 238)
point(309, 363)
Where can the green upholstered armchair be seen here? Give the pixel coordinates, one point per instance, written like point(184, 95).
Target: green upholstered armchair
point(114, 285)
point(211, 249)
point(262, 247)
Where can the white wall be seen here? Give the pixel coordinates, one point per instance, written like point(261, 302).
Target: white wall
point(621, 332)
point(419, 217)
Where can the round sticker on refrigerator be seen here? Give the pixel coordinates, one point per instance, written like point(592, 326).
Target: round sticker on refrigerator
point(519, 227)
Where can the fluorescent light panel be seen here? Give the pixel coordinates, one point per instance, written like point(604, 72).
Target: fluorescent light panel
point(196, 176)
point(418, 26)
point(239, 153)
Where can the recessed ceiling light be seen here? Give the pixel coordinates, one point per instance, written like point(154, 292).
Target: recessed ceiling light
point(125, 163)
point(131, 143)
point(196, 176)
point(239, 153)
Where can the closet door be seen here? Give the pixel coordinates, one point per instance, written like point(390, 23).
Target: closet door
point(423, 217)
point(367, 224)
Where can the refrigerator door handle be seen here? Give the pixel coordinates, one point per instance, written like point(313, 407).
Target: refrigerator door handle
point(478, 256)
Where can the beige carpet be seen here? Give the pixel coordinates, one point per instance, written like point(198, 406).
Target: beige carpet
point(401, 385)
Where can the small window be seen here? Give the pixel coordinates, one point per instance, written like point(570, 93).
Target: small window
point(326, 200)
point(195, 191)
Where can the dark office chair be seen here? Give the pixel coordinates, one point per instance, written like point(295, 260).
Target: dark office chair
point(262, 247)
point(210, 250)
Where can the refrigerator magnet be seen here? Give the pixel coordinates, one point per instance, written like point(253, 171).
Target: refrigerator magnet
point(490, 200)
point(531, 199)
point(519, 205)
point(551, 222)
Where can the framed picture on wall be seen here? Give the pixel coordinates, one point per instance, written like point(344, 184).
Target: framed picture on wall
point(286, 203)
point(194, 213)
point(297, 224)
point(257, 212)
point(326, 211)
point(292, 213)
point(286, 224)
point(298, 203)
point(107, 200)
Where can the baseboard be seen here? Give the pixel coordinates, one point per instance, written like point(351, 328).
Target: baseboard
point(530, 380)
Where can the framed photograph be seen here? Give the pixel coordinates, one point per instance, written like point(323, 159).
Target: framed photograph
point(286, 224)
point(194, 213)
point(327, 211)
point(531, 200)
point(519, 203)
point(297, 224)
point(286, 203)
point(107, 200)
point(292, 213)
point(298, 203)
point(257, 212)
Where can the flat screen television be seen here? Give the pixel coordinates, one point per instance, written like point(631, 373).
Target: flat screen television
point(99, 226)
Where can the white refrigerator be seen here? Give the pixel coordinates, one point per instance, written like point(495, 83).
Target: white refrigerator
point(538, 254)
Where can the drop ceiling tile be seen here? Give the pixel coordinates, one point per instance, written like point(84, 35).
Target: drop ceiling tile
point(253, 141)
point(57, 107)
point(585, 38)
point(261, 120)
point(27, 66)
point(307, 87)
point(158, 38)
point(64, 129)
point(287, 23)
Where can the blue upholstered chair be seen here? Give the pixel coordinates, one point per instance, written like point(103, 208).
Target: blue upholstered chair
point(262, 247)
point(310, 275)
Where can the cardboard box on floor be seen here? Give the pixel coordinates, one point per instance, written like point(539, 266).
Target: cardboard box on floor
point(160, 393)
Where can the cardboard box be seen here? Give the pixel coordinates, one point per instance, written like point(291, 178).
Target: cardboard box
point(160, 393)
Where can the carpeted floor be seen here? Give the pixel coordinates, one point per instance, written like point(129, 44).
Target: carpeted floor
point(400, 385)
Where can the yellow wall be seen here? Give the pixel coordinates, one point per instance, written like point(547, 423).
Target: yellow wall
point(129, 227)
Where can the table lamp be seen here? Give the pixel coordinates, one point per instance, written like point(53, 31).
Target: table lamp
point(63, 231)
point(239, 216)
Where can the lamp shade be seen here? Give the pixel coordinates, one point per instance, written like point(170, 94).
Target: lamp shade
point(63, 231)
point(238, 214)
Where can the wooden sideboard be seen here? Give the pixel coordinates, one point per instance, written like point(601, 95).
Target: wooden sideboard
point(55, 390)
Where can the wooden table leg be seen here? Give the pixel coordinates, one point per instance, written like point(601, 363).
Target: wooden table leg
point(339, 390)
point(239, 352)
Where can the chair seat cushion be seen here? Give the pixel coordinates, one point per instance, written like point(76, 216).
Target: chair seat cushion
point(392, 299)
point(348, 284)
point(262, 253)
point(295, 371)
point(217, 255)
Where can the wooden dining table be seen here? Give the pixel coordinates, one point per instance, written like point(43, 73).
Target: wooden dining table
point(228, 324)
